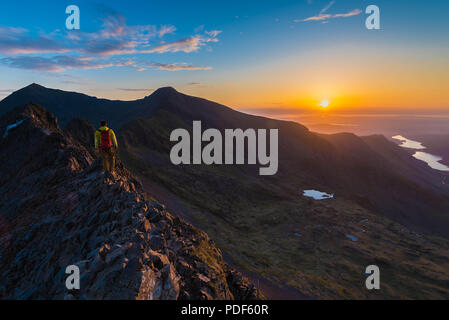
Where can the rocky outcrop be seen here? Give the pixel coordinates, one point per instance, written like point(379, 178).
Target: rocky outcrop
point(58, 209)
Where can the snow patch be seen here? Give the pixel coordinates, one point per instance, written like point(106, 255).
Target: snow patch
point(12, 126)
point(317, 195)
point(353, 238)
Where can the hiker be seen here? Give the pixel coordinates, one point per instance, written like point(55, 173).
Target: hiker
point(106, 145)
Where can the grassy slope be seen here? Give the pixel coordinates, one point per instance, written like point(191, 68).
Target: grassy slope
point(254, 222)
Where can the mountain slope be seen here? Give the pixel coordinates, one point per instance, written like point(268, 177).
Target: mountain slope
point(350, 166)
point(393, 206)
point(267, 228)
point(59, 209)
point(70, 105)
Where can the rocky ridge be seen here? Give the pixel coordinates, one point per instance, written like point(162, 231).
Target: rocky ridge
point(58, 209)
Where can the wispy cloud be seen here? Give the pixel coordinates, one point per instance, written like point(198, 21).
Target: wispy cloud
point(73, 82)
point(118, 38)
point(199, 85)
point(352, 13)
point(326, 16)
point(96, 50)
point(329, 5)
point(166, 30)
point(135, 90)
point(115, 38)
point(187, 45)
point(176, 66)
point(18, 41)
point(59, 63)
point(213, 33)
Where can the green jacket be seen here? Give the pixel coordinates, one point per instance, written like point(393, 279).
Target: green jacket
point(98, 137)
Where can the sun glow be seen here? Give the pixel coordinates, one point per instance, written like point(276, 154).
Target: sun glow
point(324, 103)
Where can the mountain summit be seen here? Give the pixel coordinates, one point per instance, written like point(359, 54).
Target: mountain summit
point(166, 91)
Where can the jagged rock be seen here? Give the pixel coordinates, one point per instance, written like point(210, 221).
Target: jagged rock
point(58, 209)
point(156, 243)
point(158, 260)
point(171, 286)
point(115, 253)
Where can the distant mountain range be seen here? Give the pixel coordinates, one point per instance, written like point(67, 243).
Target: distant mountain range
point(386, 199)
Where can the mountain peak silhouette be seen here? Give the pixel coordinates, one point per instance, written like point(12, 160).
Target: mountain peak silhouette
point(164, 91)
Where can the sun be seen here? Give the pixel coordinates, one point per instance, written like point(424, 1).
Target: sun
point(324, 104)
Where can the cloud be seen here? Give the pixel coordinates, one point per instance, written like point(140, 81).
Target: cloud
point(329, 5)
point(176, 66)
point(324, 17)
point(213, 33)
point(352, 13)
point(166, 30)
point(134, 90)
point(118, 38)
point(59, 63)
point(187, 45)
point(199, 85)
point(114, 38)
point(32, 63)
point(96, 50)
point(72, 82)
point(18, 41)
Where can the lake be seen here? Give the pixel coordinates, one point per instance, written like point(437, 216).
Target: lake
point(432, 160)
point(407, 143)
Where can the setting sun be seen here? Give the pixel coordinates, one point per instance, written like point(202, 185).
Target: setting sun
point(324, 103)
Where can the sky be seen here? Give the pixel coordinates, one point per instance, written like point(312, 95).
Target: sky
point(278, 58)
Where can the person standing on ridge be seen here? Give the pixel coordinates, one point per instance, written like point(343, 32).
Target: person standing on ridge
point(106, 145)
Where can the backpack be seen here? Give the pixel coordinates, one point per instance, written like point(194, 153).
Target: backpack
point(105, 140)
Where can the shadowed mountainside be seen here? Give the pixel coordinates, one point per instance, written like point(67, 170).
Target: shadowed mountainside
point(59, 209)
point(70, 105)
point(393, 205)
point(371, 169)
